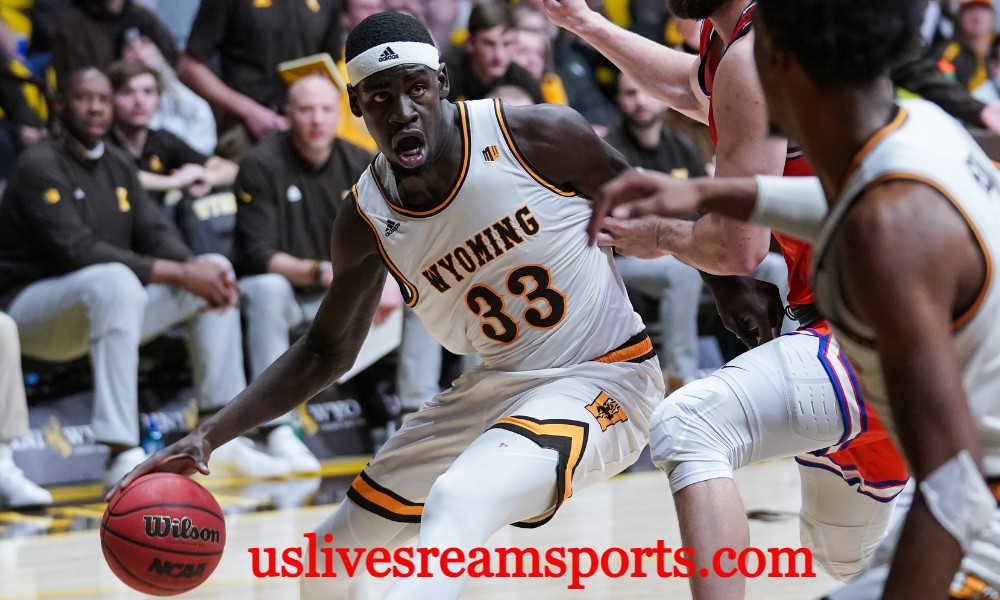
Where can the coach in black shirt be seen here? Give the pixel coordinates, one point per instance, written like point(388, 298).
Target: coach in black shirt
point(289, 191)
point(251, 37)
point(88, 265)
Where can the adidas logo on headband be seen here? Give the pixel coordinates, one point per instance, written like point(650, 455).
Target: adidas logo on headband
point(388, 55)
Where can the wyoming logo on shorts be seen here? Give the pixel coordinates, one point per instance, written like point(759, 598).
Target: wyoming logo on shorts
point(607, 411)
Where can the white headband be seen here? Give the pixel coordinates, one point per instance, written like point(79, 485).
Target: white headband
point(386, 56)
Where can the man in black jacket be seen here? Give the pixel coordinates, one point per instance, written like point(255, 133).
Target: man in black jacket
point(88, 265)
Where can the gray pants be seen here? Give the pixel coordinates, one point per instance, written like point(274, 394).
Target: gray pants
point(13, 405)
point(677, 287)
point(104, 311)
point(272, 308)
point(419, 372)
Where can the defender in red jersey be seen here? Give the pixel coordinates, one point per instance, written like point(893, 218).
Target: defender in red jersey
point(795, 396)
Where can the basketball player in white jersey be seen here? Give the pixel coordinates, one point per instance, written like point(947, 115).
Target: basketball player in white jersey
point(903, 269)
point(479, 212)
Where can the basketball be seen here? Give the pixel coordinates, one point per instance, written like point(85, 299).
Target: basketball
point(163, 535)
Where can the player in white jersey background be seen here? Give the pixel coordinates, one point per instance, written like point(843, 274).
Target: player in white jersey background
point(479, 213)
point(903, 269)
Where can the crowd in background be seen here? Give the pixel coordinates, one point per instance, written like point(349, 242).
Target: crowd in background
point(155, 163)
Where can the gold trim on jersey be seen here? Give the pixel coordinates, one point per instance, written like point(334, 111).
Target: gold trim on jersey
point(873, 141)
point(638, 348)
point(967, 316)
point(466, 152)
point(567, 437)
point(409, 289)
point(502, 120)
point(382, 501)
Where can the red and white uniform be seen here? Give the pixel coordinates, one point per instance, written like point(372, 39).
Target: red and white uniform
point(878, 471)
point(795, 396)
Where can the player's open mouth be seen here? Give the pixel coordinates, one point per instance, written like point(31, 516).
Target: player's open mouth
point(410, 149)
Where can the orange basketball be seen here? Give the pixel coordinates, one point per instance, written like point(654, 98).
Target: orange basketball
point(163, 535)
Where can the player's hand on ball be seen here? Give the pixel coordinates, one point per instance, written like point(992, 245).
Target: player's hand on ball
point(186, 456)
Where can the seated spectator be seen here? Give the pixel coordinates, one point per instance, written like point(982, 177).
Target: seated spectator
point(580, 83)
point(19, 125)
point(164, 161)
point(967, 54)
point(89, 266)
point(646, 142)
point(16, 490)
point(290, 189)
point(486, 60)
point(181, 112)
point(250, 39)
point(534, 54)
point(89, 35)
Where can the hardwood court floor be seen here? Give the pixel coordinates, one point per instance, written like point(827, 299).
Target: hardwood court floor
point(631, 510)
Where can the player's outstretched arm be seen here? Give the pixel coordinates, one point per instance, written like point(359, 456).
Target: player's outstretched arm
point(745, 147)
point(793, 205)
point(666, 73)
point(314, 362)
point(910, 267)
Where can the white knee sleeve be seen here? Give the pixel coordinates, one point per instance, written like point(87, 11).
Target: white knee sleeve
point(699, 433)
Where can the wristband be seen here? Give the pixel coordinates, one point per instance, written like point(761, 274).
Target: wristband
point(792, 205)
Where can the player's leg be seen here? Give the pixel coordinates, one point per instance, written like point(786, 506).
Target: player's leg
point(501, 478)
point(350, 526)
point(773, 401)
point(386, 501)
point(574, 430)
point(840, 526)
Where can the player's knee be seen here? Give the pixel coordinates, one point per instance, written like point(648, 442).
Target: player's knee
point(448, 499)
point(842, 552)
point(686, 443)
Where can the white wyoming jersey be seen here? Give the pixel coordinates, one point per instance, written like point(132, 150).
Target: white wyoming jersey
point(501, 265)
point(924, 144)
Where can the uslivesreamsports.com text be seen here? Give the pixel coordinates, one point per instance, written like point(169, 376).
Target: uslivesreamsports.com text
point(578, 563)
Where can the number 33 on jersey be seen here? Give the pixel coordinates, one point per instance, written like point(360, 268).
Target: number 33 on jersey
point(501, 265)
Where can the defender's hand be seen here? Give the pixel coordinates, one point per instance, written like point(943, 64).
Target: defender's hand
point(637, 238)
point(750, 308)
point(635, 194)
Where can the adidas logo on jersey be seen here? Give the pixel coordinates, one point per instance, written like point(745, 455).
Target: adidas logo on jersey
point(391, 227)
point(388, 54)
point(491, 153)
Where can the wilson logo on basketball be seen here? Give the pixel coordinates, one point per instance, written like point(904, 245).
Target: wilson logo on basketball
point(159, 526)
point(172, 569)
